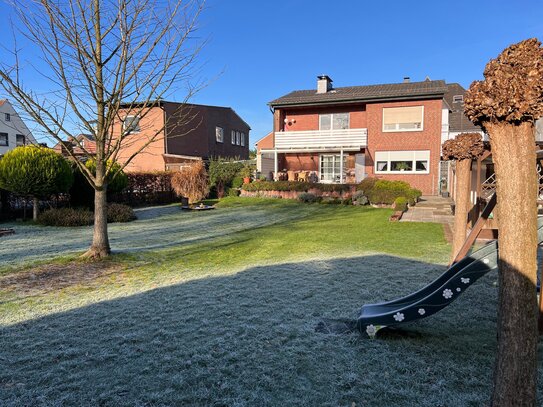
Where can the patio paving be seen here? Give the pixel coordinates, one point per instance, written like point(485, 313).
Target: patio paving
point(433, 209)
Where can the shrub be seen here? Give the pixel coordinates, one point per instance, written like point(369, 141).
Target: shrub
point(347, 201)
point(366, 185)
point(232, 191)
point(385, 192)
point(120, 213)
point(191, 182)
point(237, 182)
point(221, 173)
point(66, 217)
point(400, 203)
point(307, 197)
point(293, 186)
point(117, 179)
point(359, 198)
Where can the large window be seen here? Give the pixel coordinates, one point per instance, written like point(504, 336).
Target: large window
point(4, 139)
point(397, 162)
point(219, 134)
point(330, 167)
point(334, 121)
point(233, 134)
point(131, 124)
point(238, 137)
point(403, 118)
point(243, 139)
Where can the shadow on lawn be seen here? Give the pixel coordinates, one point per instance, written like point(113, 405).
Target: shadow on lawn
point(249, 339)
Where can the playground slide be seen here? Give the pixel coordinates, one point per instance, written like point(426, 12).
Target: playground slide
point(436, 295)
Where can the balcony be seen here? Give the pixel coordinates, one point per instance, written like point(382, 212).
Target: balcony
point(347, 139)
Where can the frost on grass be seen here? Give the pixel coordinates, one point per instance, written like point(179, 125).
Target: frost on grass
point(156, 228)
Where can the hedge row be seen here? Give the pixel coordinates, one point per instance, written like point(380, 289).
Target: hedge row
point(383, 192)
point(294, 186)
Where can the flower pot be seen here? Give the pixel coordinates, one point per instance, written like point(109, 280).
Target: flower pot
point(246, 180)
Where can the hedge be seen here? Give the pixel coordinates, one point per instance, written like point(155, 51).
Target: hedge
point(294, 186)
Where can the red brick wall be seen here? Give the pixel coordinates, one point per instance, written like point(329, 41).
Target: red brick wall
point(308, 118)
point(427, 139)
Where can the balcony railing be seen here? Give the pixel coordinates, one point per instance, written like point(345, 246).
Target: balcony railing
point(321, 139)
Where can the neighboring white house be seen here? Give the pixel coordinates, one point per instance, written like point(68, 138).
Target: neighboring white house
point(13, 131)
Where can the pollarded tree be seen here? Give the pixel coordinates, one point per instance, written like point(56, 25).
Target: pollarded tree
point(35, 172)
point(105, 63)
point(506, 104)
point(463, 149)
point(191, 182)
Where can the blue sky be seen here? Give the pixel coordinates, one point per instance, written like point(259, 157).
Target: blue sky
point(259, 50)
point(266, 49)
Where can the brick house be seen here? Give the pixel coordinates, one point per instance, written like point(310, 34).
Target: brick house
point(390, 131)
point(184, 132)
point(79, 146)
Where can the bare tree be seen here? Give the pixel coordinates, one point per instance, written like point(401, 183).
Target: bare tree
point(109, 63)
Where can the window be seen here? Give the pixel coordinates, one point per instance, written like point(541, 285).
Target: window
point(334, 121)
point(8, 117)
point(458, 98)
point(403, 118)
point(233, 137)
point(4, 139)
point(330, 167)
point(243, 139)
point(402, 161)
point(238, 138)
point(131, 124)
point(20, 140)
point(219, 134)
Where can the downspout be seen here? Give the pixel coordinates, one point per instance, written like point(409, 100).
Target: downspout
point(165, 134)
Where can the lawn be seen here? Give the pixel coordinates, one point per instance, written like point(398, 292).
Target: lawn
point(220, 308)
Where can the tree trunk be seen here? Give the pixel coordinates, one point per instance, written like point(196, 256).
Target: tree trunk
point(100, 240)
point(35, 208)
point(515, 372)
point(540, 320)
point(462, 205)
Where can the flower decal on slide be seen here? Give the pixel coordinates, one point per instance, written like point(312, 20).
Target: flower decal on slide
point(447, 293)
point(464, 280)
point(398, 316)
point(422, 311)
point(371, 331)
point(458, 289)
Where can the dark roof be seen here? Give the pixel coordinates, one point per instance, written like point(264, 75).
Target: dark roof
point(369, 93)
point(458, 122)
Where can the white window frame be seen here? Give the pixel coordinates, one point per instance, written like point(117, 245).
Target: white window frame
point(219, 134)
point(243, 139)
point(238, 137)
point(397, 129)
point(233, 135)
point(413, 156)
point(133, 130)
point(336, 157)
point(458, 98)
point(332, 120)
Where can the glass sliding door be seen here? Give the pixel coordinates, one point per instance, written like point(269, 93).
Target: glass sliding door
point(330, 168)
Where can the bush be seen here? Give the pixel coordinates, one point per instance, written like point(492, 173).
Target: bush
point(191, 182)
point(237, 182)
point(66, 217)
point(120, 213)
point(366, 185)
point(307, 197)
point(400, 203)
point(359, 198)
point(232, 191)
point(385, 192)
point(221, 173)
point(293, 186)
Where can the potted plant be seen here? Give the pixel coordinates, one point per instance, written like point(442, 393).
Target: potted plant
point(246, 172)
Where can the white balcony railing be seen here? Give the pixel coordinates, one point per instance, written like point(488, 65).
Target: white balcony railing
point(321, 139)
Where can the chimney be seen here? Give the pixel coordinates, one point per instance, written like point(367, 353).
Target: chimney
point(324, 84)
point(406, 79)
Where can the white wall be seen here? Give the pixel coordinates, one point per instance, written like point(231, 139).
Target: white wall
point(13, 127)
